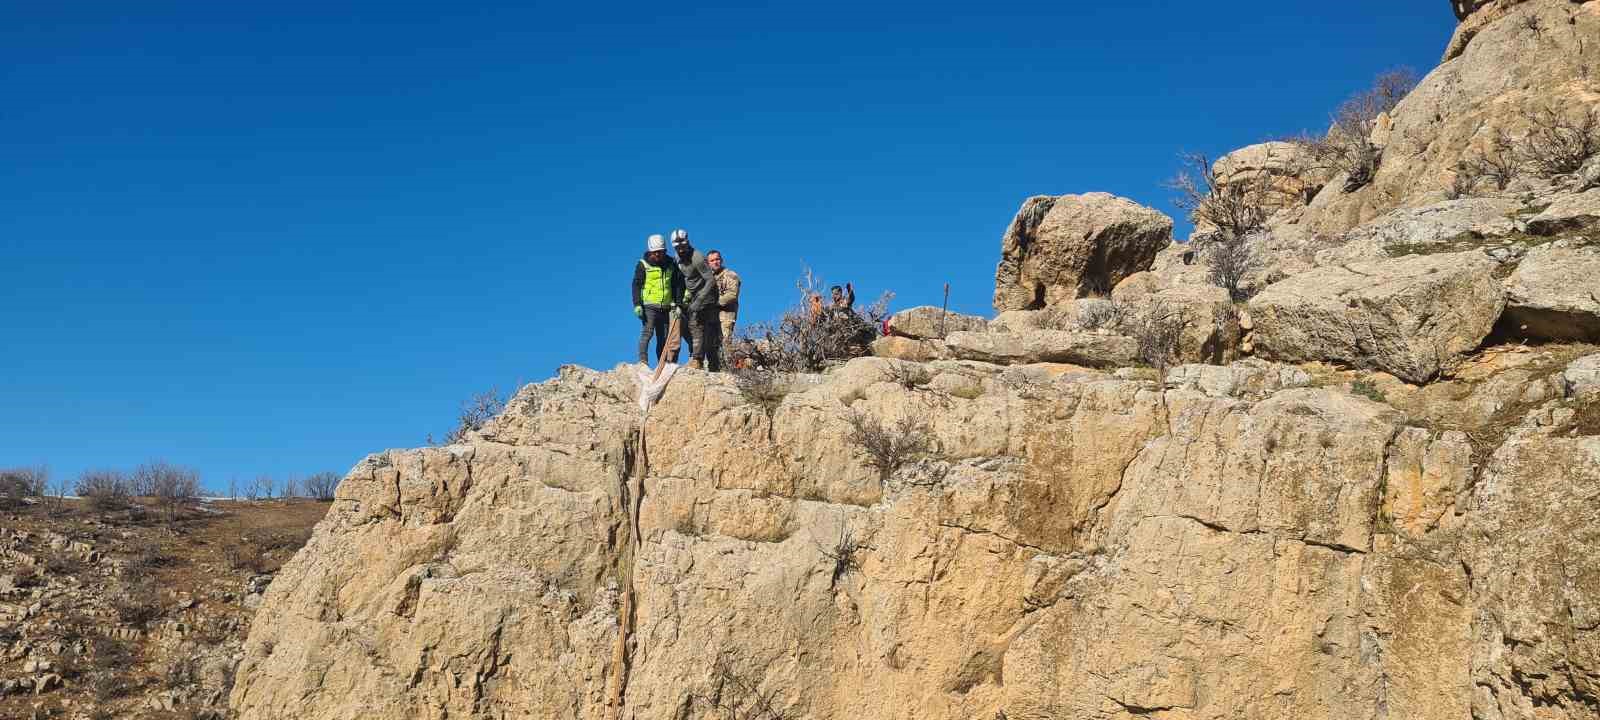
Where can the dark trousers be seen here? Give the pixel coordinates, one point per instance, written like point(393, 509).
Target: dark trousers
point(656, 321)
point(705, 337)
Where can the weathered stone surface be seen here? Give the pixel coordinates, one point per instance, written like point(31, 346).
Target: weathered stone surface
point(1411, 316)
point(1062, 248)
point(1568, 212)
point(1582, 377)
point(1092, 349)
point(904, 348)
point(1246, 378)
point(1505, 69)
point(1286, 174)
point(927, 321)
point(1535, 562)
point(1555, 294)
point(1410, 230)
point(1211, 330)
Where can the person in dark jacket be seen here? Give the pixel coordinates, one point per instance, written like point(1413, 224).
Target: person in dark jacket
point(700, 312)
point(657, 293)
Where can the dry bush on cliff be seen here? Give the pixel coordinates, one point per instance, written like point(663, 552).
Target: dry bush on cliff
point(1229, 260)
point(1236, 209)
point(1558, 142)
point(888, 448)
point(475, 412)
point(808, 337)
point(1348, 146)
point(761, 387)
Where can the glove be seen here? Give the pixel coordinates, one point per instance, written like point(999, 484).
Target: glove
point(638, 312)
point(677, 312)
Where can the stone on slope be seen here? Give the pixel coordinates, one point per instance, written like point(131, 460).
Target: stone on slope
point(1067, 247)
point(1211, 331)
point(1582, 376)
point(1287, 174)
point(928, 322)
point(1555, 294)
point(1568, 212)
point(1410, 230)
point(905, 348)
point(1411, 317)
point(1090, 349)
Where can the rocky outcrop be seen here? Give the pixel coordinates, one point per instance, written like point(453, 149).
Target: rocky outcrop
point(1285, 174)
point(1062, 248)
point(1425, 229)
point(1411, 317)
point(1555, 294)
point(1072, 545)
point(1211, 330)
point(926, 321)
point(1568, 213)
point(1090, 349)
point(1537, 53)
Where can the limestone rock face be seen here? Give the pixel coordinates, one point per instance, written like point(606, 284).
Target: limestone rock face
point(1289, 174)
point(905, 348)
point(1211, 329)
point(927, 321)
point(1582, 377)
point(1555, 294)
point(1092, 349)
point(1072, 545)
point(1411, 317)
point(1569, 212)
point(1423, 228)
point(1497, 68)
point(1062, 248)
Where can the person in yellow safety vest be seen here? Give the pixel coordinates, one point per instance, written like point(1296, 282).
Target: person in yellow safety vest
point(657, 292)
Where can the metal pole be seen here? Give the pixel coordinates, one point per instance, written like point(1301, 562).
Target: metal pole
point(944, 312)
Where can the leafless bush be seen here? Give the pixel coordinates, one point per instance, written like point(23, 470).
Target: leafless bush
point(1347, 146)
point(1159, 335)
point(104, 489)
point(475, 413)
point(262, 487)
point(1497, 163)
point(906, 374)
point(1236, 208)
point(810, 335)
point(322, 485)
point(137, 604)
point(762, 387)
point(1107, 314)
point(1230, 260)
point(737, 697)
point(1558, 142)
point(20, 483)
point(172, 486)
point(888, 448)
point(843, 554)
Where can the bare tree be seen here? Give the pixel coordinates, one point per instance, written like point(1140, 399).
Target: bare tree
point(18, 484)
point(1236, 208)
point(170, 485)
point(291, 487)
point(1348, 146)
point(263, 487)
point(322, 485)
point(104, 489)
point(1230, 259)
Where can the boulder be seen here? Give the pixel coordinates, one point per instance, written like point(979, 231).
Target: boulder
point(1089, 349)
point(1067, 247)
point(1211, 330)
point(1567, 213)
point(1554, 294)
point(1582, 376)
point(1411, 317)
point(927, 321)
point(904, 348)
point(1287, 174)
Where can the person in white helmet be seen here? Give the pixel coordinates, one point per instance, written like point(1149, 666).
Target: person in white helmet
point(700, 312)
point(657, 293)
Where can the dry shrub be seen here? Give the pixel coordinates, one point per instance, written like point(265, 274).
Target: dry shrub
point(1558, 142)
point(908, 375)
point(104, 489)
point(477, 411)
point(734, 696)
point(1347, 146)
point(1158, 335)
point(844, 555)
point(1229, 260)
point(172, 486)
point(1236, 208)
point(888, 448)
point(802, 340)
point(1496, 163)
point(19, 484)
point(137, 604)
point(762, 387)
point(1108, 315)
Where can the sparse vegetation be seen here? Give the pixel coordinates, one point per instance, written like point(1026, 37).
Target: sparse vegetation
point(19, 484)
point(104, 489)
point(1108, 315)
point(908, 375)
point(843, 554)
point(1159, 335)
point(1558, 142)
point(1230, 260)
point(170, 485)
point(1496, 163)
point(1235, 209)
point(888, 448)
point(806, 339)
point(1348, 146)
point(733, 696)
point(322, 485)
point(477, 411)
point(1365, 388)
point(762, 387)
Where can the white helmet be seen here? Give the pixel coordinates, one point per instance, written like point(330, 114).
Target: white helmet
point(680, 236)
point(655, 243)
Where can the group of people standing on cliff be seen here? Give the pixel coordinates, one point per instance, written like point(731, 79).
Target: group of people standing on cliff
point(702, 292)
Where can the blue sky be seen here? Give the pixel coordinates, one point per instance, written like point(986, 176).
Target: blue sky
point(269, 238)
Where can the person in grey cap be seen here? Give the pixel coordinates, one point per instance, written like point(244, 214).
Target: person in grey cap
point(700, 312)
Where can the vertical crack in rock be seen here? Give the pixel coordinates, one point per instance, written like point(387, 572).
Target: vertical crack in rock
point(636, 461)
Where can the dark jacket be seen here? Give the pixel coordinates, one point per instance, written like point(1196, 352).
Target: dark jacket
point(699, 283)
point(638, 279)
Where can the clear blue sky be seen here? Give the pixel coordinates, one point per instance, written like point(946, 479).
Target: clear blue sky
point(274, 237)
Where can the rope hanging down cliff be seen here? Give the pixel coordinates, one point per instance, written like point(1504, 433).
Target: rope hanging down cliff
point(651, 385)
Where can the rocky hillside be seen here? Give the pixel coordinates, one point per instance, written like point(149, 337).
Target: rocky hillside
point(1362, 484)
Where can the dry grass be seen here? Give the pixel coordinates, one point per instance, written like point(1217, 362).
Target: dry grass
point(888, 447)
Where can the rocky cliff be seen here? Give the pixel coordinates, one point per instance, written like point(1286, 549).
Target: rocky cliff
point(1367, 492)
